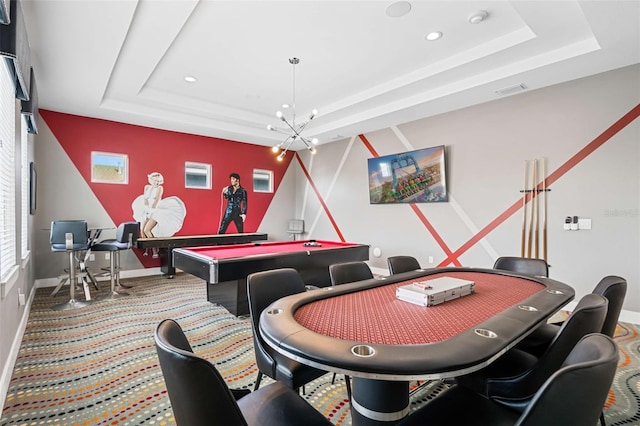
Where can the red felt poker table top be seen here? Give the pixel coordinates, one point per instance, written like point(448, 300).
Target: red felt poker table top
point(376, 316)
point(255, 249)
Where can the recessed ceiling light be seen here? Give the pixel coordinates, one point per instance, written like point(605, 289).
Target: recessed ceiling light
point(433, 36)
point(478, 17)
point(398, 9)
point(190, 79)
point(286, 106)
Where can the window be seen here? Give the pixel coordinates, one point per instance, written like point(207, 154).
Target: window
point(262, 180)
point(197, 175)
point(107, 167)
point(7, 175)
point(25, 187)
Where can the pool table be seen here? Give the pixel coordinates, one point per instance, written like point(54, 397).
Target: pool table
point(363, 330)
point(165, 245)
point(225, 268)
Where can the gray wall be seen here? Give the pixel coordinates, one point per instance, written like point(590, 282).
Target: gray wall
point(487, 146)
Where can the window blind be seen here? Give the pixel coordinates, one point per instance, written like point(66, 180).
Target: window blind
point(7, 174)
point(24, 188)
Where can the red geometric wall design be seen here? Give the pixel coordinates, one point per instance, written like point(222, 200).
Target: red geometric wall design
point(151, 150)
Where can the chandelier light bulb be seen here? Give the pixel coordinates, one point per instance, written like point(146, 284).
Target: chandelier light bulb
point(275, 149)
point(313, 150)
point(270, 127)
point(279, 115)
point(281, 156)
point(314, 141)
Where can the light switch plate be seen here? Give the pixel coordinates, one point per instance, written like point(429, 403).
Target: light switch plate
point(584, 223)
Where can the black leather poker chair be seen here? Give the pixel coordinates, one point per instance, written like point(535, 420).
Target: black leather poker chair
point(516, 376)
point(348, 272)
point(200, 396)
point(264, 288)
point(522, 265)
point(572, 395)
point(399, 264)
point(344, 273)
point(126, 236)
point(612, 287)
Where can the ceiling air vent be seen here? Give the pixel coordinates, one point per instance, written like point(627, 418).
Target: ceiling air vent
point(511, 89)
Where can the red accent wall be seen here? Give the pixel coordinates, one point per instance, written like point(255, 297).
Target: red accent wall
point(164, 151)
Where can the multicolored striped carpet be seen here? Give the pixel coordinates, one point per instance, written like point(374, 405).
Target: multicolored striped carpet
point(98, 366)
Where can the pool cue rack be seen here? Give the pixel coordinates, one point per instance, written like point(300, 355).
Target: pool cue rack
point(532, 224)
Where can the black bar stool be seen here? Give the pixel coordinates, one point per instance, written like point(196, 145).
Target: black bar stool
point(126, 235)
point(70, 236)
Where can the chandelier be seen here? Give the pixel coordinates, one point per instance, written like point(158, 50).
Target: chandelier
point(294, 129)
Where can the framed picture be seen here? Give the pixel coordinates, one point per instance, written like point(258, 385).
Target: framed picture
point(33, 187)
point(108, 167)
point(409, 177)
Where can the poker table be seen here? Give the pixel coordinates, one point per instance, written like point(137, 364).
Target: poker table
point(165, 245)
point(225, 268)
point(362, 330)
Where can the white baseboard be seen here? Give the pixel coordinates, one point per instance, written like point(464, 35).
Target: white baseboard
point(7, 372)
point(134, 273)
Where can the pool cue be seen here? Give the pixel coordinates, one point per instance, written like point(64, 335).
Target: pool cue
point(534, 194)
point(544, 209)
point(523, 237)
point(530, 241)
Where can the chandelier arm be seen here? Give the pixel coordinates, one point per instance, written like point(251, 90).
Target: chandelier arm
point(287, 142)
point(302, 126)
point(293, 129)
point(280, 131)
point(306, 142)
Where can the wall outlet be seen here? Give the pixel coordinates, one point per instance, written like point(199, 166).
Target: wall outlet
point(22, 300)
point(92, 257)
point(107, 255)
point(430, 259)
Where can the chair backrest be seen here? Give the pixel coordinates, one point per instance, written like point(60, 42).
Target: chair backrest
point(522, 265)
point(587, 317)
point(614, 289)
point(399, 264)
point(264, 288)
point(577, 392)
point(198, 393)
point(348, 272)
point(128, 232)
point(78, 231)
point(296, 226)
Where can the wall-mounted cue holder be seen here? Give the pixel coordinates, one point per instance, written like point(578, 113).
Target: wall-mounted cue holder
point(534, 210)
point(535, 190)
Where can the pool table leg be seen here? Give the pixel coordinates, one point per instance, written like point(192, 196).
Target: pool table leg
point(166, 261)
point(378, 402)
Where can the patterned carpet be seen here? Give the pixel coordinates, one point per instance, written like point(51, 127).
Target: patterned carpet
point(98, 366)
